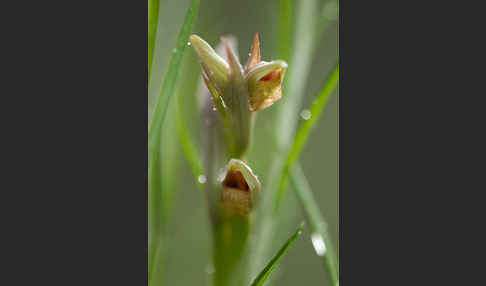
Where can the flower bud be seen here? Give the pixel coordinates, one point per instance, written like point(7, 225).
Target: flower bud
point(216, 70)
point(264, 83)
point(240, 188)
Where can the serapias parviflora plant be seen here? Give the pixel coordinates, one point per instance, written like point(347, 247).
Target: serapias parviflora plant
point(233, 96)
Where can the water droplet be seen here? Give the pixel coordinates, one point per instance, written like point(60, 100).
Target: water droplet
point(214, 108)
point(318, 244)
point(188, 43)
point(201, 179)
point(249, 54)
point(305, 114)
point(174, 50)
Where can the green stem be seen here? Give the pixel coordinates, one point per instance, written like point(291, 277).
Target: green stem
point(229, 242)
point(320, 235)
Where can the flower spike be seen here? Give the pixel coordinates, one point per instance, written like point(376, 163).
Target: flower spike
point(241, 92)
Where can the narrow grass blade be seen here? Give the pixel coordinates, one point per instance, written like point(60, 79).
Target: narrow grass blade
point(315, 112)
point(318, 226)
point(153, 18)
point(156, 211)
point(170, 79)
point(273, 262)
point(306, 126)
point(190, 152)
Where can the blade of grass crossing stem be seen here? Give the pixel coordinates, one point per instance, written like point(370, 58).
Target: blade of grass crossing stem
point(320, 236)
point(273, 262)
point(306, 126)
point(170, 79)
point(153, 18)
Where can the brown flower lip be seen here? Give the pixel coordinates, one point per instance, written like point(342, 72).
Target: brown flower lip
point(240, 189)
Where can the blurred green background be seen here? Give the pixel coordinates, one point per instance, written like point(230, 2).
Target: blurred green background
point(189, 249)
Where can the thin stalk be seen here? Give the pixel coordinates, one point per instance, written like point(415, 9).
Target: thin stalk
point(229, 242)
point(304, 129)
point(263, 275)
point(153, 18)
point(320, 236)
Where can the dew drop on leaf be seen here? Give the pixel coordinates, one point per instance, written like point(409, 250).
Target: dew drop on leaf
point(318, 244)
point(201, 179)
point(305, 114)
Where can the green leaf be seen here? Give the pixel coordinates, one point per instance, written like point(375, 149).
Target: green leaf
point(271, 265)
point(318, 225)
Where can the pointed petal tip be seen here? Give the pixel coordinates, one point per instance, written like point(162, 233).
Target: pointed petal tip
point(255, 56)
point(232, 57)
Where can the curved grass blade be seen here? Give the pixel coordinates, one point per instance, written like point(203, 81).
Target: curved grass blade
point(271, 265)
point(170, 79)
point(306, 126)
point(320, 236)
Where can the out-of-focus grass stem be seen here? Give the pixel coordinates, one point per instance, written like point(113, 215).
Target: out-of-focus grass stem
point(304, 129)
point(320, 236)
